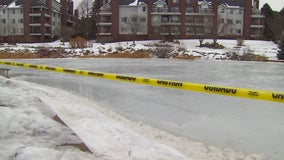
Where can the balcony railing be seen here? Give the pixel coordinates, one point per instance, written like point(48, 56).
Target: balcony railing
point(70, 18)
point(257, 16)
point(166, 13)
point(105, 23)
point(104, 34)
point(257, 26)
point(35, 14)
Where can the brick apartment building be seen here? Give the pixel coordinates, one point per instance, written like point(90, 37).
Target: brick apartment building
point(120, 20)
point(35, 20)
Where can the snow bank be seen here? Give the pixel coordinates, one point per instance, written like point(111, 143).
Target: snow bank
point(28, 132)
point(263, 48)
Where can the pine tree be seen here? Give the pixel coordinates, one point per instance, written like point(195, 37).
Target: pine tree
point(269, 15)
point(280, 54)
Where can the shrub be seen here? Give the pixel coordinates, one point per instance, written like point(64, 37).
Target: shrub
point(280, 54)
point(78, 42)
point(163, 52)
point(213, 45)
point(240, 41)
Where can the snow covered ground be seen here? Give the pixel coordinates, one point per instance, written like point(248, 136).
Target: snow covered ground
point(237, 126)
point(263, 48)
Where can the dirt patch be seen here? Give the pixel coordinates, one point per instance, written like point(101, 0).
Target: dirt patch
point(57, 119)
point(18, 55)
point(80, 146)
point(186, 57)
point(136, 54)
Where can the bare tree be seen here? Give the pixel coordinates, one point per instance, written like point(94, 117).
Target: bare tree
point(85, 8)
point(85, 19)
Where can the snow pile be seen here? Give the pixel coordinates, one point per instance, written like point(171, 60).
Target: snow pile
point(190, 47)
point(28, 131)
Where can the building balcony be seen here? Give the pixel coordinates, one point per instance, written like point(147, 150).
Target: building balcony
point(35, 34)
point(257, 26)
point(170, 23)
point(166, 13)
point(257, 16)
point(47, 25)
point(190, 33)
point(46, 15)
point(194, 24)
point(105, 23)
point(35, 14)
point(256, 35)
point(104, 34)
point(167, 33)
point(70, 19)
point(199, 14)
point(105, 13)
point(35, 24)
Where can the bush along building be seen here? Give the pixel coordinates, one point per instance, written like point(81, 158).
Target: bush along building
point(120, 20)
point(35, 20)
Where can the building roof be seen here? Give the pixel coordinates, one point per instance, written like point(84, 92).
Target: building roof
point(128, 2)
point(19, 2)
point(38, 3)
point(239, 3)
point(5, 2)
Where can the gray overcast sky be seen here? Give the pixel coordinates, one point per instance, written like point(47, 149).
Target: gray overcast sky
point(276, 5)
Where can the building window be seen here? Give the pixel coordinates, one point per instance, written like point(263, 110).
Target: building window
point(239, 31)
point(188, 1)
point(230, 21)
point(240, 11)
point(143, 19)
point(123, 19)
point(231, 11)
point(13, 11)
point(175, 1)
point(189, 30)
point(156, 29)
point(189, 9)
point(21, 10)
point(13, 21)
point(134, 19)
point(21, 20)
point(238, 21)
point(144, 9)
point(4, 11)
point(175, 19)
point(222, 10)
point(3, 21)
point(175, 9)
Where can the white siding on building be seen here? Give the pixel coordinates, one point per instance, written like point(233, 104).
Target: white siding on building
point(11, 21)
point(126, 16)
point(230, 20)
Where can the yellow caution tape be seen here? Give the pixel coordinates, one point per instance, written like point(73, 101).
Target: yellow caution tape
point(213, 89)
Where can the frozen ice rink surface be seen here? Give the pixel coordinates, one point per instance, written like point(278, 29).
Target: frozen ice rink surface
point(242, 124)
